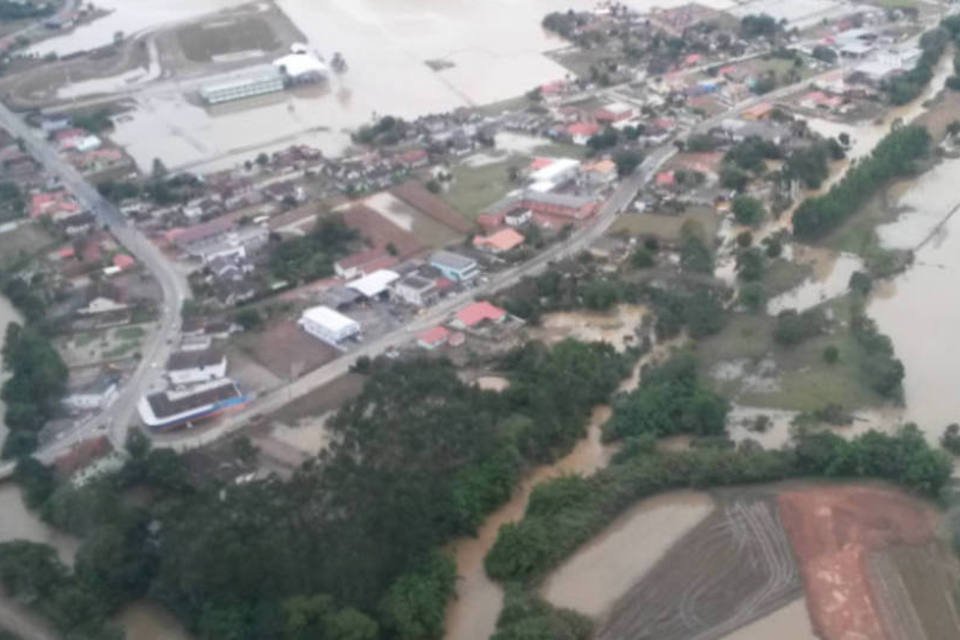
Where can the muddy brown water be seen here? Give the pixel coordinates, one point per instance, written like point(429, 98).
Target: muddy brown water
point(792, 622)
point(472, 615)
point(593, 578)
point(922, 314)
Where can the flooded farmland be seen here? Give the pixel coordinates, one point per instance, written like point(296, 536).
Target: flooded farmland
point(604, 569)
point(617, 328)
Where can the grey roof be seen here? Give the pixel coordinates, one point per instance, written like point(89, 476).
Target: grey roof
point(193, 359)
point(416, 282)
point(452, 260)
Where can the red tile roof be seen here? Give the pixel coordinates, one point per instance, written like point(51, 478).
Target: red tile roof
point(503, 240)
point(434, 337)
point(474, 314)
point(123, 261)
point(583, 129)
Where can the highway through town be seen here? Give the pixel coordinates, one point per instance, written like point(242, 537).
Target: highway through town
point(154, 352)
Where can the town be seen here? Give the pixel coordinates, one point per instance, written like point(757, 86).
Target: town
point(666, 264)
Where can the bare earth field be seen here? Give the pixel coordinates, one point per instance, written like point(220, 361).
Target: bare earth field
point(869, 563)
point(733, 568)
point(283, 347)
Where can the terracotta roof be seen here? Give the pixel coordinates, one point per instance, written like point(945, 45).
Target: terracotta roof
point(503, 240)
point(435, 336)
point(477, 312)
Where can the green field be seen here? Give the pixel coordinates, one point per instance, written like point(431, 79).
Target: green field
point(475, 188)
point(24, 241)
point(664, 226)
point(803, 380)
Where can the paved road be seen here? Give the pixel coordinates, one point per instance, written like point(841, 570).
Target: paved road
point(116, 419)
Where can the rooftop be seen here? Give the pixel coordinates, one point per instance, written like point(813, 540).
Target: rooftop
point(328, 318)
point(375, 283)
point(168, 404)
point(478, 312)
point(193, 359)
point(452, 260)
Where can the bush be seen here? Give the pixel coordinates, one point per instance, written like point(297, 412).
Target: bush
point(792, 328)
point(642, 259)
point(831, 355)
point(748, 210)
point(753, 297)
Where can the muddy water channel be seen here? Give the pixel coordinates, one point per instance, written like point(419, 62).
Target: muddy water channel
point(473, 613)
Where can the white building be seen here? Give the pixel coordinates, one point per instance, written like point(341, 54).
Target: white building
point(328, 325)
point(416, 290)
point(559, 171)
point(97, 395)
point(374, 285)
point(193, 367)
point(267, 80)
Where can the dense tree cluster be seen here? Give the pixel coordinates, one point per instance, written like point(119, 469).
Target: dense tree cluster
point(528, 617)
point(312, 256)
point(670, 400)
point(759, 25)
point(699, 310)
point(879, 366)
point(811, 164)
point(387, 131)
point(38, 379)
point(894, 156)
point(12, 202)
point(750, 154)
point(347, 549)
point(794, 327)
point(564, 513)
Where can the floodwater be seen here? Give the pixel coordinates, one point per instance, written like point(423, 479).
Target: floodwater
point(792, 622)
point(130, 17)
point(18, 523)
point(146, 620)
point(830, 279)
point(472, 615)
point(617, 328)
point(776, 434)
point(599, 573)
point(496, 48)
point(923, 313)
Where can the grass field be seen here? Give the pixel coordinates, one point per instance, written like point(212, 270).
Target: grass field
point(801, 380)
point(129, 333)
point(476, 187)
point(665, 227)
point(25, 240)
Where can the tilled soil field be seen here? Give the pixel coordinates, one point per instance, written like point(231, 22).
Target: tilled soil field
point(735, 567)
point(842, 536)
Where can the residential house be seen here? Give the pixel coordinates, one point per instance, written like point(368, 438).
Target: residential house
point(478, 313)
point(416, 290)
point(93, 396)
point(194, 367)
point(433, 338)
point(455, 266)
point(499, 242)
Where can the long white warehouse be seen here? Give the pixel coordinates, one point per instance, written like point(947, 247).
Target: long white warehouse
point(328, 325)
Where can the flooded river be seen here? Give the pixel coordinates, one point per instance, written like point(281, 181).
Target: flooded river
point(592, 579)
point(922, 313)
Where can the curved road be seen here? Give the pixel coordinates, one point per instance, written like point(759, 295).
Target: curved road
point(116, 419)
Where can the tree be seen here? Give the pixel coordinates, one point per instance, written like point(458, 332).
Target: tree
point(627, 162)
point(159, 169)
point(748, 210)
point(263, 159)
point(831, 355)
point(642, 258)
point(824, 54)
point(753, 297)
point(792, 327)
point(249, 319)
point(415, 605)
point(950, 440)
point(744, 239)
point(750, 265)
point(695, 255)
point(861, 283)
